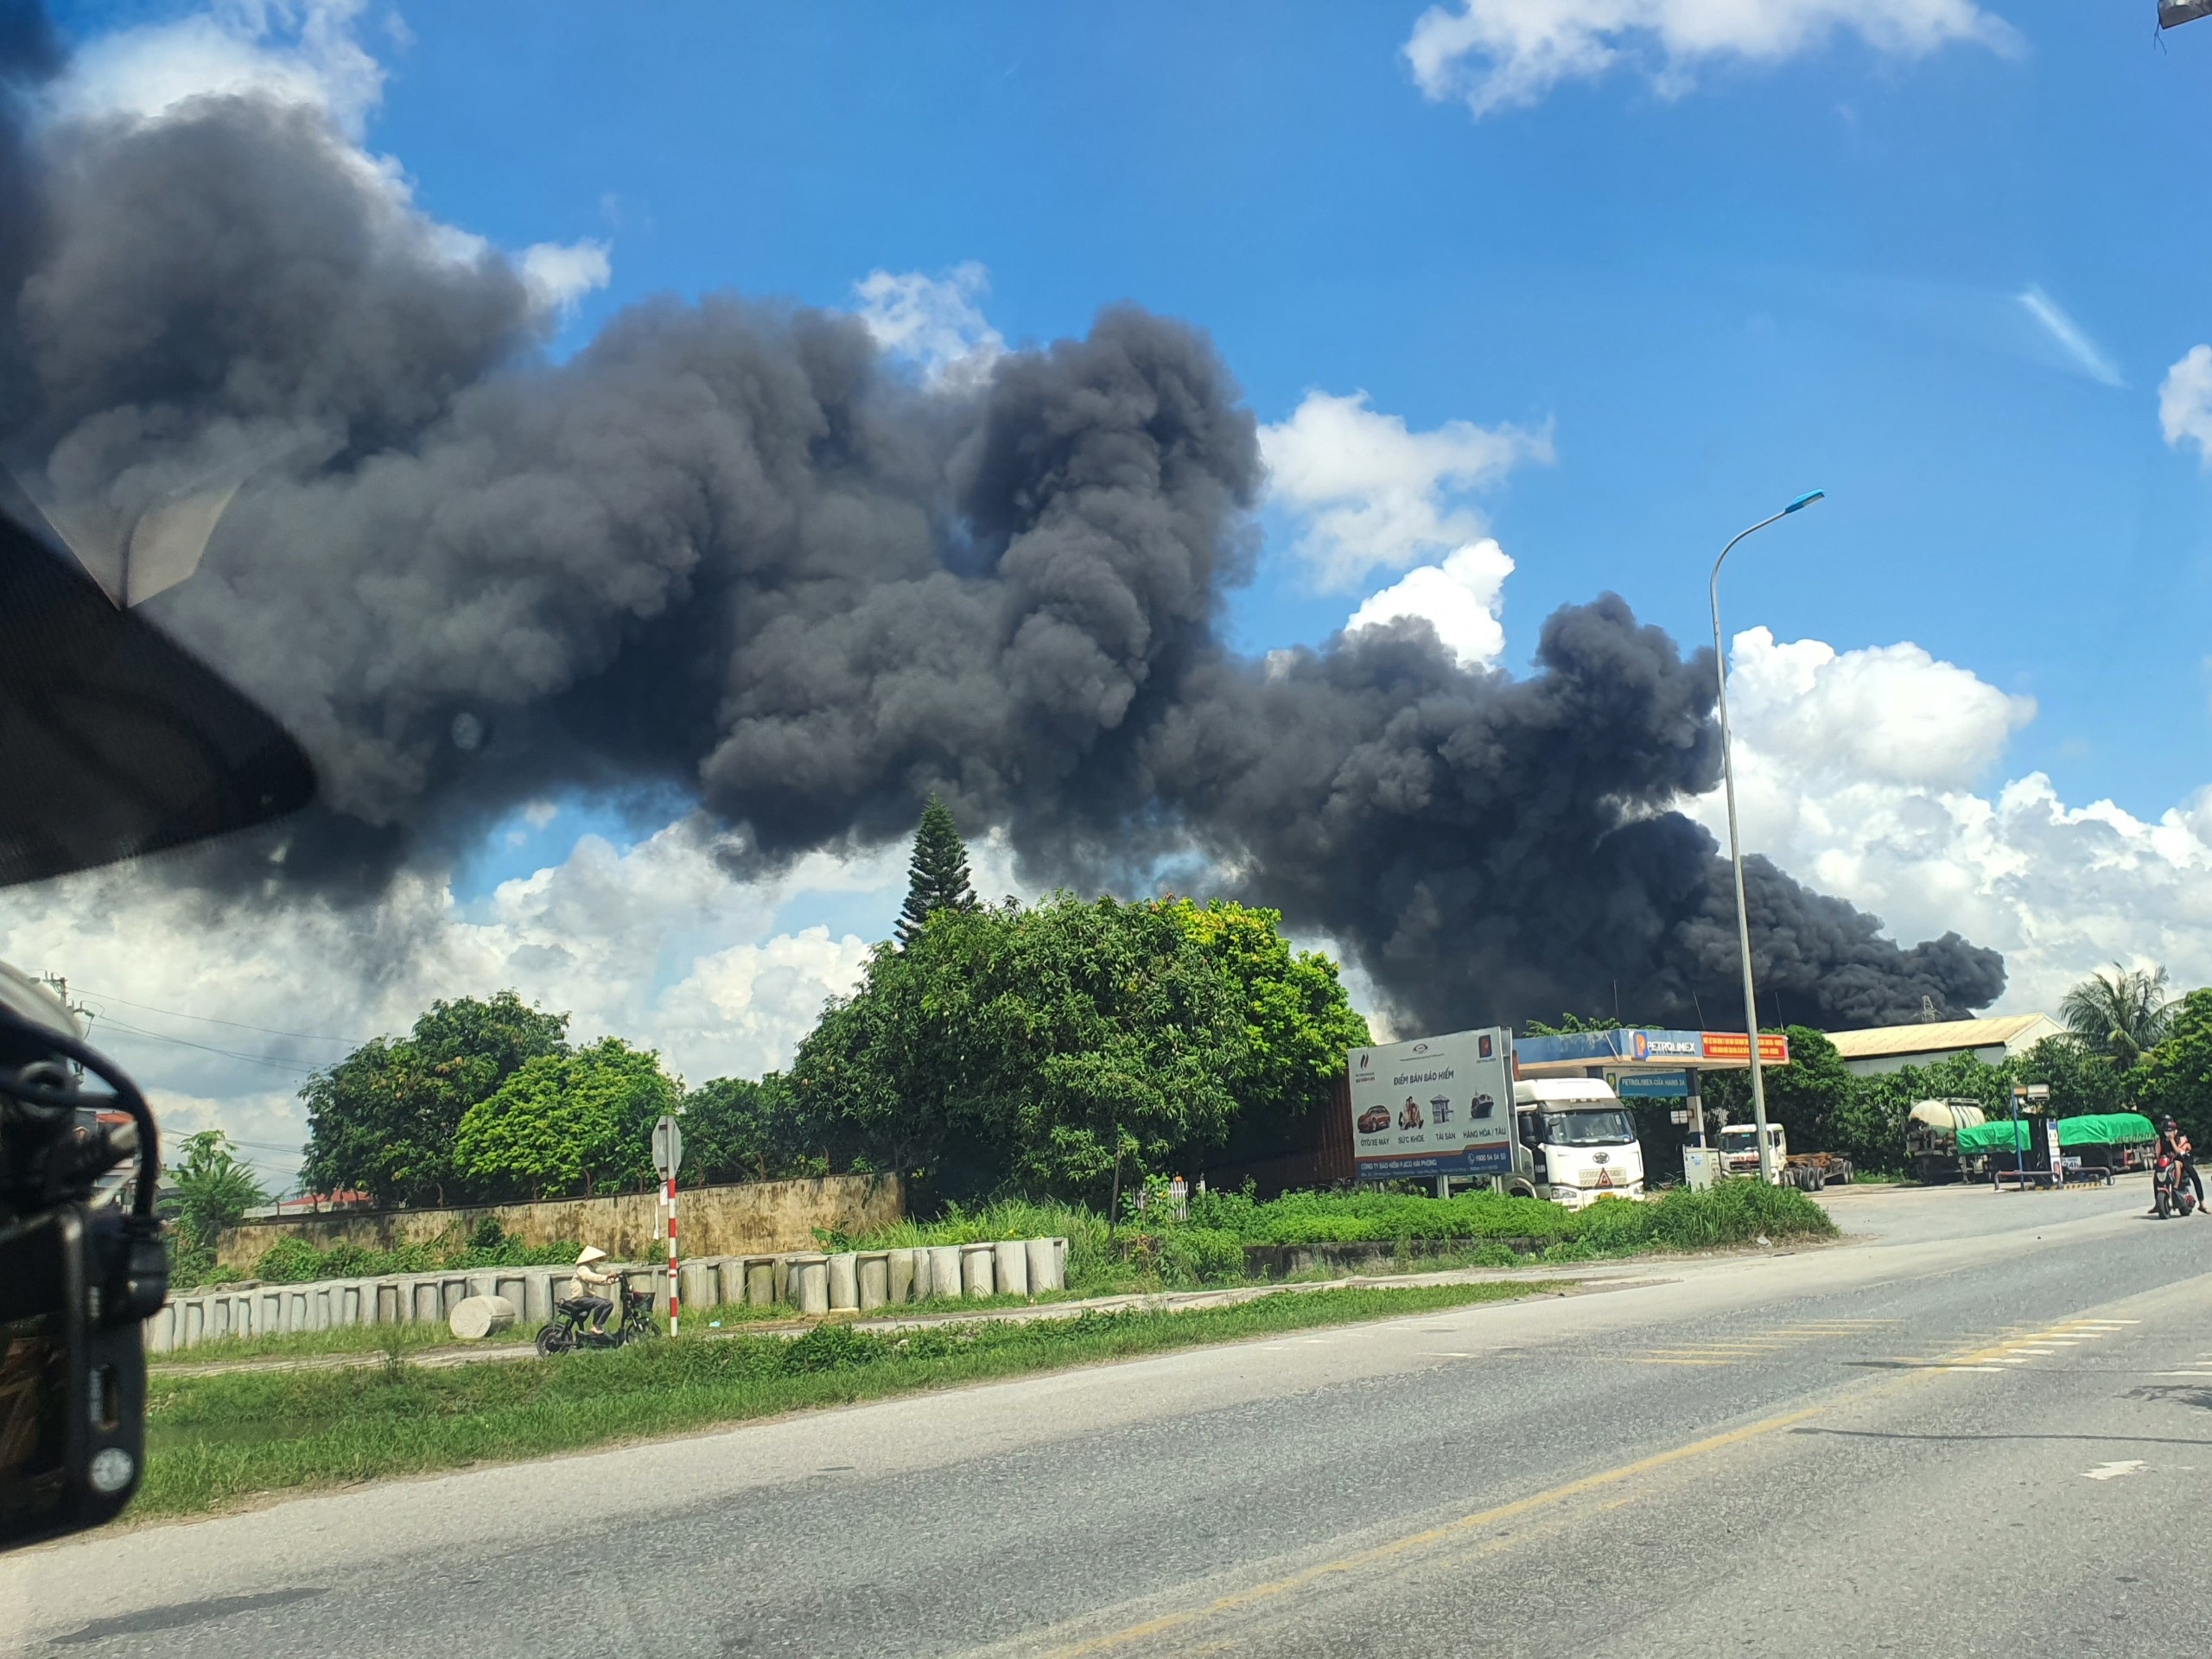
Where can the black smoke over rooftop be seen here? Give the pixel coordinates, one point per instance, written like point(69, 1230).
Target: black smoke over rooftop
point(728, 549)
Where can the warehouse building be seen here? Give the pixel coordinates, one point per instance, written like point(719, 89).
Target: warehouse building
point(1890, 1048)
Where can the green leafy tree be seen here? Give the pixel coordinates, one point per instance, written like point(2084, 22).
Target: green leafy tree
point(565, 1122)
point(383, 1120)
point(735, 1129)
point(2123, 1014)
point(1120, 1040)
point(2080, 1078)
point(938, 878)
point(213, 1188)
point(1037, 1045)
point(2175, 1078)
point(1299, 1025)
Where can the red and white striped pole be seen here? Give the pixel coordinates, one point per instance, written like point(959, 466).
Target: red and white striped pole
point(672, 1305)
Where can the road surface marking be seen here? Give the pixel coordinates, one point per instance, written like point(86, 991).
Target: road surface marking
point(1241, 1599)
point(1430, 1356)
point(2115, 1470)
point(2201, 1374)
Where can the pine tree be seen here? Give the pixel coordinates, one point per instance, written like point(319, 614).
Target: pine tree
point(939, 879)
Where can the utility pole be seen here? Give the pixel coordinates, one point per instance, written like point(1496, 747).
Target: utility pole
point(1735, 841)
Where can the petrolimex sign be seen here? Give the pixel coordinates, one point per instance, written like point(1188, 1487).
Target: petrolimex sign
point(1434, 1106)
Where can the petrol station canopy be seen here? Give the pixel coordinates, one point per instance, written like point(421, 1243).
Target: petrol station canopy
point(1641, 1051)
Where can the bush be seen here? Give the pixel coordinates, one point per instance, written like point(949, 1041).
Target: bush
point(1199, 1255)
point(1736, 1212)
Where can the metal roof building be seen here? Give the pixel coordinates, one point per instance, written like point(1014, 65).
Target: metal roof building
point(1890, 1048)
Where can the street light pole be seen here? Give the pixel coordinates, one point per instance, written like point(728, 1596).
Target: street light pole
point(1735, 841)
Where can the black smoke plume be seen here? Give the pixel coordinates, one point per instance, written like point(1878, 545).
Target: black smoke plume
point(729, 551)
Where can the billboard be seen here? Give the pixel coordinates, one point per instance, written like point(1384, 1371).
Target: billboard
point(1434, 1106)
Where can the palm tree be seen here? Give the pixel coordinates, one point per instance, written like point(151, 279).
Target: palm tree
point(2120, 1015)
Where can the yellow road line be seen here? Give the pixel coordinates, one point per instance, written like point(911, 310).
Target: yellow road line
point(1258, 1594)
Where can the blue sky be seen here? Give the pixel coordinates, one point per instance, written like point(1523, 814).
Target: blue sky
point(1937, 256)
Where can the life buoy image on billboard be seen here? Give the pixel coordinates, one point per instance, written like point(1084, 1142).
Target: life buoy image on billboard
point(1434, 1106)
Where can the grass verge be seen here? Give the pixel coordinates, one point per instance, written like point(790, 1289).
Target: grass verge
point(214, 1440)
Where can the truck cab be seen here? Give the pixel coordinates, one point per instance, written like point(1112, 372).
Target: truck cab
point(1739, 1150)
point(1574, 1142)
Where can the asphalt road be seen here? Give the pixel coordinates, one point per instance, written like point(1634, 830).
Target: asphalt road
point(1983, 1426)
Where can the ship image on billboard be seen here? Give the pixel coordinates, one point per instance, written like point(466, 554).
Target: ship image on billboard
point(1434, 1106)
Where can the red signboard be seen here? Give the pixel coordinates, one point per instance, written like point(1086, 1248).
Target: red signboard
point(1774, 1048)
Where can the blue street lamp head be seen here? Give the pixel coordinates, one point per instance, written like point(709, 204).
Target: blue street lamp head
point(1805, 500)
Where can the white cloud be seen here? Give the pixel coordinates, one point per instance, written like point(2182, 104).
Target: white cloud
point(935, 321)
point(2084, 352)
point(1499, 54)
point(1461, 598)
point(1863, 774)
point(1370, 494)
point(558, 274)
point(2186, 402)
point(656, 944)
point(296, 51)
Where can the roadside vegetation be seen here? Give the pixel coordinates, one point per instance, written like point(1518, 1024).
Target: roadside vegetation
point(215, 1441)
point(1155, 1247)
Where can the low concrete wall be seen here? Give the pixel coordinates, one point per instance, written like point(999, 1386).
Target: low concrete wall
point(765, 1217)
point(814, 1282)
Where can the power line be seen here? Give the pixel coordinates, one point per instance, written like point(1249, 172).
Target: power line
point(209, 1020)
point(292, 1066)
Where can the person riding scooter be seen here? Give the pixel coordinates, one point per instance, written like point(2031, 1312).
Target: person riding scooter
point(587, 1282)
point(2173, 1144)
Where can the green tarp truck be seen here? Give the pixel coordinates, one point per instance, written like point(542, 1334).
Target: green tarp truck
point(2113, 1139)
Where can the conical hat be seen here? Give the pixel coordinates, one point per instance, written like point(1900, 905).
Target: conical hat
point(589, 1254)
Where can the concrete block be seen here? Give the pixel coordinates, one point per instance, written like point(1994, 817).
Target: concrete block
point(898, 1276)
point(844, 1280)
point(698, 1283)
point(976, 1270)
point(214, 1318)
point(453, 1290)
point(478, 1317)
point(809, 1274)
point(1010, 1265)
point(298, 1316)
point(1044, 1266)
point(267, 1313)
point(483, 1283)
point(515, 1286)
point(780, 1267)
point(195, 1322)
point(537, 1302)
point(319, 1306)
point(945, 1271)
point(161, 1330)
point(759, 1281)
point(873, 1271)
point(426, 1310)
point(1060, 1256)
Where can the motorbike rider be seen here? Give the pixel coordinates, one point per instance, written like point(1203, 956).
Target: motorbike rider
point(2174, 1144)
point(588, 1282)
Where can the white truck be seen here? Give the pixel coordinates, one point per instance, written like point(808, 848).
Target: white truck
point(1808, 1172)
point(1574, 1142)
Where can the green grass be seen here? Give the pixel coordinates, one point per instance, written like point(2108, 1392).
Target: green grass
point(1208, 1246)
point(214, 1440)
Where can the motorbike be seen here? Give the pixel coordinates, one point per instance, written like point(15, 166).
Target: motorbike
point(570, 1327)
point(2170, 1194)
